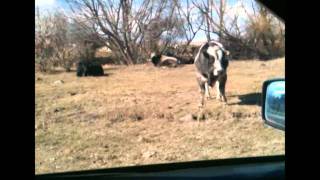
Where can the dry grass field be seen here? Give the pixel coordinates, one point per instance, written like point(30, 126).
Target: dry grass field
point(141, 115)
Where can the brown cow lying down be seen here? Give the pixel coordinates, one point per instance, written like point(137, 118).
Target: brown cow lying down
point(162, 60)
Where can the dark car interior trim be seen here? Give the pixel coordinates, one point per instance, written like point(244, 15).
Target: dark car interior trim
point(238, 168)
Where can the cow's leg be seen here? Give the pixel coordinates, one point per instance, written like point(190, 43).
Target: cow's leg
point(201, 105)
point(85, 71)
point(213, 82)
point(218, 90)
point(221, 88)
point(210, 83)
point(207, 91)
point(202, 81)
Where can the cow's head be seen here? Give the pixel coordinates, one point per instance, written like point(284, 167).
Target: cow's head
point(216, 51)
point(154, 58)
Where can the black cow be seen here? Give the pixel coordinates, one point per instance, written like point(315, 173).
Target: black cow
point(89, 68)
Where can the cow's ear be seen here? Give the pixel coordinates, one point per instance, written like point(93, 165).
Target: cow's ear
point(204, 50)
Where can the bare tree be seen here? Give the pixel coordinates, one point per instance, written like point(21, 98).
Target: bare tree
point(162, 30)
point(191, 24)
point(44, 49)
point(258, 39)
point(265, 33)
point(63, 49)
point(125, 26)
point(214, 13)
point(58, 43)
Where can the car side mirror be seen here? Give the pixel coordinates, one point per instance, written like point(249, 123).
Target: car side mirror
point(273, 103)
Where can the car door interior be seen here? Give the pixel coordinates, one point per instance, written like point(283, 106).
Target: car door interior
point(271, 167)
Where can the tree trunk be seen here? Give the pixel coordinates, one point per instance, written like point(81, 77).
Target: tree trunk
point(221, 19)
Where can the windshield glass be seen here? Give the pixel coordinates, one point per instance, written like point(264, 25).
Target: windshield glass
point(132, 83)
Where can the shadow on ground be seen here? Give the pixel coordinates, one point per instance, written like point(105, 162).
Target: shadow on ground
point(248, 99)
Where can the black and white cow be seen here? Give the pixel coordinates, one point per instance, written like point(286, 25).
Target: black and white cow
point(211, 64)
point(163, 60)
